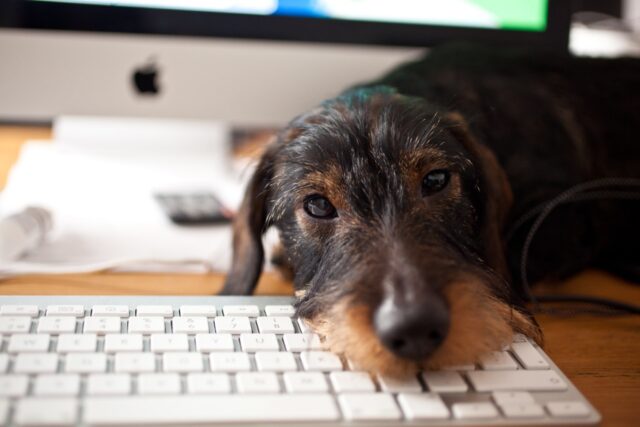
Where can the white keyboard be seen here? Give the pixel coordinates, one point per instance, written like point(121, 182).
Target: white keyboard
point(220, 360)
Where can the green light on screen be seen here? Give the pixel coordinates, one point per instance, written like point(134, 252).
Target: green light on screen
point(527, 15)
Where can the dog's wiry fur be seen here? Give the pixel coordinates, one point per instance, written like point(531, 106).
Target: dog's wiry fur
point(367, 152)
point(480, 324)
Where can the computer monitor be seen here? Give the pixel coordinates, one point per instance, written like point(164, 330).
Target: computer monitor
point(243, 61)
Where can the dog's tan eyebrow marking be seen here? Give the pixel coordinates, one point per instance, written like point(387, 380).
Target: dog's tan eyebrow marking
point(326, 182)
point(416, 163)
point(416, 158)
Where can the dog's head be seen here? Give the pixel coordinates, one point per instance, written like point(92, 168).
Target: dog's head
point(390, 217)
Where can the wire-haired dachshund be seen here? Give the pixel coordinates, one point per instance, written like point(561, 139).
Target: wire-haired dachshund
point(393, 200)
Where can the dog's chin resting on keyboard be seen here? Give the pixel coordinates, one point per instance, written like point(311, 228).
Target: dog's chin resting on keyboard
point(393, 199)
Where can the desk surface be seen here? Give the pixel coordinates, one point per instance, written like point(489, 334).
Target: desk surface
point(600, 354)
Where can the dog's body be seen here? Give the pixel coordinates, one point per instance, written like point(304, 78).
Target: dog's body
point(393, 200)
point(552, 123)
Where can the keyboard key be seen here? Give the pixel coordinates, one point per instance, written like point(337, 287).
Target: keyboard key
point(279, 310)
point(468, 367)
point(350, 381)
point(154, 310)
point(395, 385)
point(146, 325)
point(108, 384)
point(241, 310)
point(275, 325)
point(320, 361)
point(56, 325)
point(74, 343)
point(522, 410)
point(302, 342)
point(13, 385)
point(257, 382)
point(198, 310)
point(568, 409)
point(19, 310)
point(65, 310)
point(278, 361)
point(529, 356)
point(182, 362)
point(257, 342)
point(188, 409)
point(46, 411)
point(135, 362)
point(232, 325)
point(57, 385)
point(4, 362)
point(304, 326)
point(229, 362)
point(214, 342)
point(15, 324)
point(85, 363)
point(159, 384)
point(498, 360)
point(190, 325)
point(423, 406)
point(444, 382)
point(474, 410)
point(102, 325)
point(512, 397)
point(169, 342)
point(208, 383)
point(114, 343)
point(35, 363)
point(28, 343)
point(516, 380)
point(305, 382)
point(369, 406)
point(110, 310)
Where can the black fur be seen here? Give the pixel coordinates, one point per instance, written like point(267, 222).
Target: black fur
point(514, 131)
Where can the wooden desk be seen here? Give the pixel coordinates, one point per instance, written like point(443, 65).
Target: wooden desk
point(601, 355)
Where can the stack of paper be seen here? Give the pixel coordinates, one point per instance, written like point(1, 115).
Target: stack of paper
point(101, 196)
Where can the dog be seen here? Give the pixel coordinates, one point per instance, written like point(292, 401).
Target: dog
point(393, 201)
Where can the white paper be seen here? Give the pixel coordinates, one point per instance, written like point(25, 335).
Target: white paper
point(104, 213)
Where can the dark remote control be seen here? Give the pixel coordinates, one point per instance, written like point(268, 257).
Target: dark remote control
point(193, 208)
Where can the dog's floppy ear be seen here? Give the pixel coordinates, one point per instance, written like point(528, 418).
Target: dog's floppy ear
point(497, 193)
point(249, 225)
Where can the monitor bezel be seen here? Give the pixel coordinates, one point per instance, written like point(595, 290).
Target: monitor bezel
point(136, 20)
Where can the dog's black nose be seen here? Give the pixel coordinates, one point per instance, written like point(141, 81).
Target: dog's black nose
point(412, 330)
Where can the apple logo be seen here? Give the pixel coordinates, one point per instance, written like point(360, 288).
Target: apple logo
point(145, 78)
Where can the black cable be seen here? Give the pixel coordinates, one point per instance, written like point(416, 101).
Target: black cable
point(571, 195)
point(617, 306)
point(589, 196)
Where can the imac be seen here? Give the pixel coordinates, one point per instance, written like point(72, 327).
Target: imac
point(248, 62)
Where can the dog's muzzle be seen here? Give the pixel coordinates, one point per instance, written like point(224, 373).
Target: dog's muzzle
point(412, 328)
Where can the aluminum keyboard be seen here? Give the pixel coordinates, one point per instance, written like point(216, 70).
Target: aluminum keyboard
point(245, 360)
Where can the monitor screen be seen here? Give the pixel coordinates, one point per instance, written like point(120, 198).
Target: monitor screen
point(542, 24)
point(528, 15)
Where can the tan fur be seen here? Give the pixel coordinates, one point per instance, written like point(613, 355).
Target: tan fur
point(347, 330)
point(479, 324)
point(329, 183)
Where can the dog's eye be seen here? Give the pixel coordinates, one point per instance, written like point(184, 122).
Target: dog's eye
point(434, 181)
point(319, 207)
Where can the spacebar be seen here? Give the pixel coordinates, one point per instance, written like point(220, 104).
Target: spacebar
point(208, 409)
